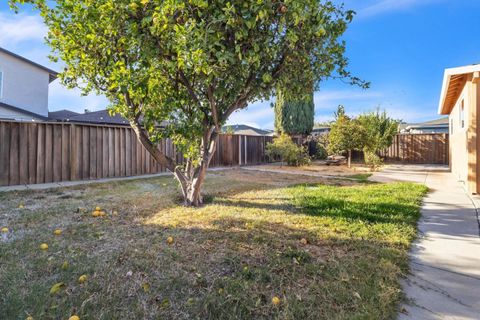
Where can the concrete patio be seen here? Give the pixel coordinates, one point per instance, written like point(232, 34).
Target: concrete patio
point(445, 259)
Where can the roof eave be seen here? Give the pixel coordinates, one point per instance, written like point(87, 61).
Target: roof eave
point(444, 109)
point(52, 74)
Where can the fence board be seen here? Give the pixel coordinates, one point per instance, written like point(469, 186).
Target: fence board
point(14, 177)
point(4, 153)
point(418, 149)
point(32, 153)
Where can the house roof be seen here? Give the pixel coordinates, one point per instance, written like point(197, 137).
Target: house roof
point(23, 111)
point(246, 130)
point(53, 74)
point(454, 80)
point(99, 117)
point(62, 115)
point(432, 124)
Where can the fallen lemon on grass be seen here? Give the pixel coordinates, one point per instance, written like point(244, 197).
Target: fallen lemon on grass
point(44, 246)
point(98, 209)
point(276, 301)
point(74, 317)
point(5, 230)
point(29, 318)
point(21, 206)
point(82, 278)
point(57, 232)
point(170, 240)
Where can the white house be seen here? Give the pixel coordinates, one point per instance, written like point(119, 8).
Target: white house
point(23, 88)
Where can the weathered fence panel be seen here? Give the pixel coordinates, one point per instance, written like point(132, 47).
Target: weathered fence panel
point(418, 149)
point(32, 153)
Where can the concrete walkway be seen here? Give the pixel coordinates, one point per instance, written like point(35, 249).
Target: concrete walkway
point(445, 260)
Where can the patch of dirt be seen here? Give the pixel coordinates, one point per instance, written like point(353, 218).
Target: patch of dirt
point(274, 178)
point(320, 167)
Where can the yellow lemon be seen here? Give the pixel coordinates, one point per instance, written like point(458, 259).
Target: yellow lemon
point(44, 246)
point(57, 232)
point(95, 213)
point(21, 206)
point(98, 209)
point(29, 318)
point(304, 241)
point(170, 240)
point(276, 301)
point(74, 317)
point(82, 278)
point(101, 213)
point(5, 230)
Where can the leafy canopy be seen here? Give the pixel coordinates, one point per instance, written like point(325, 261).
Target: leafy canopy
point(380, 130)
point(188, 64)
point(346, 134)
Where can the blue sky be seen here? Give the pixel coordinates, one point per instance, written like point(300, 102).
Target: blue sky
point(400, 46)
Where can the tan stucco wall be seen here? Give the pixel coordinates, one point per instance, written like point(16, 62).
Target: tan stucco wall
point(459, 137)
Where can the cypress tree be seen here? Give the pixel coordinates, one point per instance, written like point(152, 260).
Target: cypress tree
point(294, 116)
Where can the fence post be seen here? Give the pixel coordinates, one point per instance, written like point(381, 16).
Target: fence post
point(246, 142)
point(239, 150)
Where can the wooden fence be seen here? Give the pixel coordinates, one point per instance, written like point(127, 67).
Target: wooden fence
point(418, 149)
point(33, 153)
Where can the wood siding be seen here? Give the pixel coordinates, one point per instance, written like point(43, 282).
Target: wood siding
point(32, 153)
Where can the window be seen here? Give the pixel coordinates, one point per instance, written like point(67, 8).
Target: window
point(462, 114)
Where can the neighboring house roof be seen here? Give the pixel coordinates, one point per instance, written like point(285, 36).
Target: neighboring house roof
point(62, 115)
point(23, 111)
point(99, 117)
point(246, 130)
point(321, 129)
point(437, 124)
point(454, 80)
point(53, 74)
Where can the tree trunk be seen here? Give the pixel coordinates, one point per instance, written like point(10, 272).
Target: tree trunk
point(191, 179)
point(349, 160)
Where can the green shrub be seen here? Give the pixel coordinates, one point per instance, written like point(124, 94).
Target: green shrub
point(321, 146)
point(321, 153)
point(372, 160)
point(284, 148)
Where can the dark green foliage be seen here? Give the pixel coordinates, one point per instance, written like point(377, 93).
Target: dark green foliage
point(294, 116)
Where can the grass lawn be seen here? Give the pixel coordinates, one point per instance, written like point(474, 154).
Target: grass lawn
point(327, 249)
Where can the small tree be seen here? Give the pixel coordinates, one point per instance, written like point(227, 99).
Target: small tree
point(294, 116)
point(380, 131)
point(190, 64)
point(345, 135)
